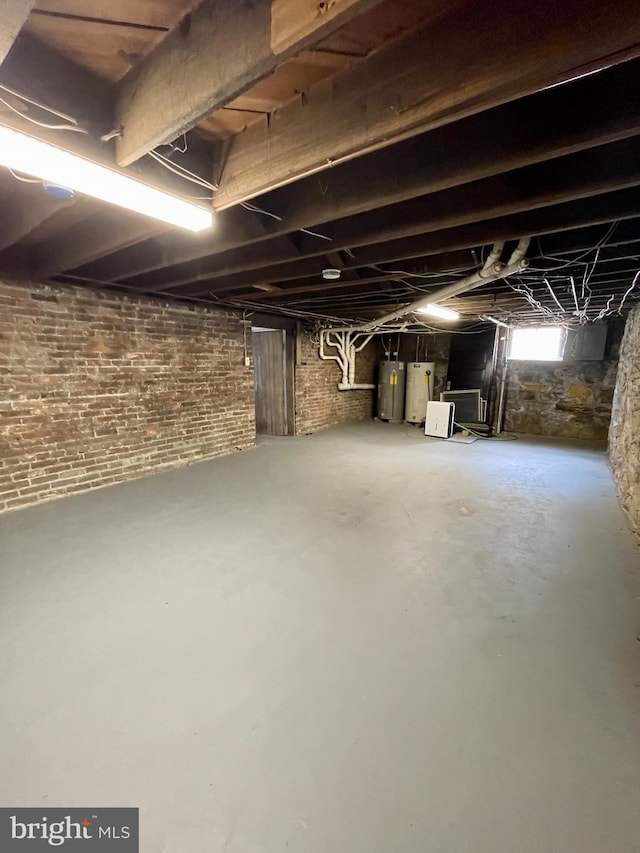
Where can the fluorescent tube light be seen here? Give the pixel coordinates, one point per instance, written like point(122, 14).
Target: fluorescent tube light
point(439, 311)
point(51, 164)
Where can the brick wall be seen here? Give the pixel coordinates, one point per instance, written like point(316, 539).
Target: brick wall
point(319, 404)
point(624, 434)
point(97, 388)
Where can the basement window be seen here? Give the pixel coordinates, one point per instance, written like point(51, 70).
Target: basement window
point(540, 343)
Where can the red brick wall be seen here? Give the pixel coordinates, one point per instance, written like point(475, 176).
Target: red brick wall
point(319, 404)
point(97, 388)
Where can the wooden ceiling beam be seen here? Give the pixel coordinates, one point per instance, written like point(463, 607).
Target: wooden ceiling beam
point(38, 71)
point(114, 232)
point(216, 54)
point(13, 16)
point(106, 231)
point(602, 209)
point(585, 174)
point(295, 24)
point(598, 211)
point(472, 59)
point(436, 265)
point(543, 126)
point(20, 215)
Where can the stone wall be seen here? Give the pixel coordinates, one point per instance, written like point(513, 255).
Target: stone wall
point(319, 404)
point(569, 399)
point(97, 388)
point(624, 434)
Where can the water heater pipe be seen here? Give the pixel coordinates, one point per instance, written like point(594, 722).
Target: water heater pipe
point(347, 344)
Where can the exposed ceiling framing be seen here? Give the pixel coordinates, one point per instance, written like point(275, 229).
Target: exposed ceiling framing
point(392, 139)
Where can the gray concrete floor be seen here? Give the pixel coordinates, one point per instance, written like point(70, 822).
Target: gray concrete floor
point(362, 641)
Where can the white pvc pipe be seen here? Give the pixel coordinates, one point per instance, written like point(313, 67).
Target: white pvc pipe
point(347, 346)
point(491, 271)
point(494, 256)
point(520, 250)
point(356, 386)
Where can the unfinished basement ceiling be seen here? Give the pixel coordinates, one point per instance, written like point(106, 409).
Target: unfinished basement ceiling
point(391, 140)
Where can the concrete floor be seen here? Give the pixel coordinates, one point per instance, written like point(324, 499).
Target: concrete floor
point(362, 641)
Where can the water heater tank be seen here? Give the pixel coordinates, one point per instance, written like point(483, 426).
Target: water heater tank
point(391, 380)
point(420, 378)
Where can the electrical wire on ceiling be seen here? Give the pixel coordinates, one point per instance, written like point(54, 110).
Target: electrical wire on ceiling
point(471, 331)
point(173, 148)
point(256, 306)
point(587, 305)
point(568, 263)
point(606, 310)
point(26, 117)
point(255, 209)
point(523, 289)
point(182, 172)
point(579, 313)
point(70, 124)
point(633, 284)
point(23, 179)
point(458, 271)
point(315, 234)
point(299, 312)
point(552, 292)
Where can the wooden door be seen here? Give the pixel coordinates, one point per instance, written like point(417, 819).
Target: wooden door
point(272, 379)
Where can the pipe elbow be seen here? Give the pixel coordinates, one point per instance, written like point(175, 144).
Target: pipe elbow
point(491, 271)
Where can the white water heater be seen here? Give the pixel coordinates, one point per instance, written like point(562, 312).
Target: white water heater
point(420, 379)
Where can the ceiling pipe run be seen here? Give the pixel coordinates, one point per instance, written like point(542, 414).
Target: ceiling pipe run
point(349, 340)
point(492, 270)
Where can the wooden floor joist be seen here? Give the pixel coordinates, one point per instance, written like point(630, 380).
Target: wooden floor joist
point(13, 16)
point(602, 209)
point(581, 175)
point(540, 127)
point(213, 56)
point(478, 56)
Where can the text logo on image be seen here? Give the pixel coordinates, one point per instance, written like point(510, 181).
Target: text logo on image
point(93, 829)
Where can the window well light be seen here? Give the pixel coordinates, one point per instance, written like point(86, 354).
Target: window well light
point(537, 343)
point(55, 166)
point(439, 311)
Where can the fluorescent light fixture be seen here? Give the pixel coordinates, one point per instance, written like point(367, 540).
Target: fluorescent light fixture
point(51, 164)
point(439, 311)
